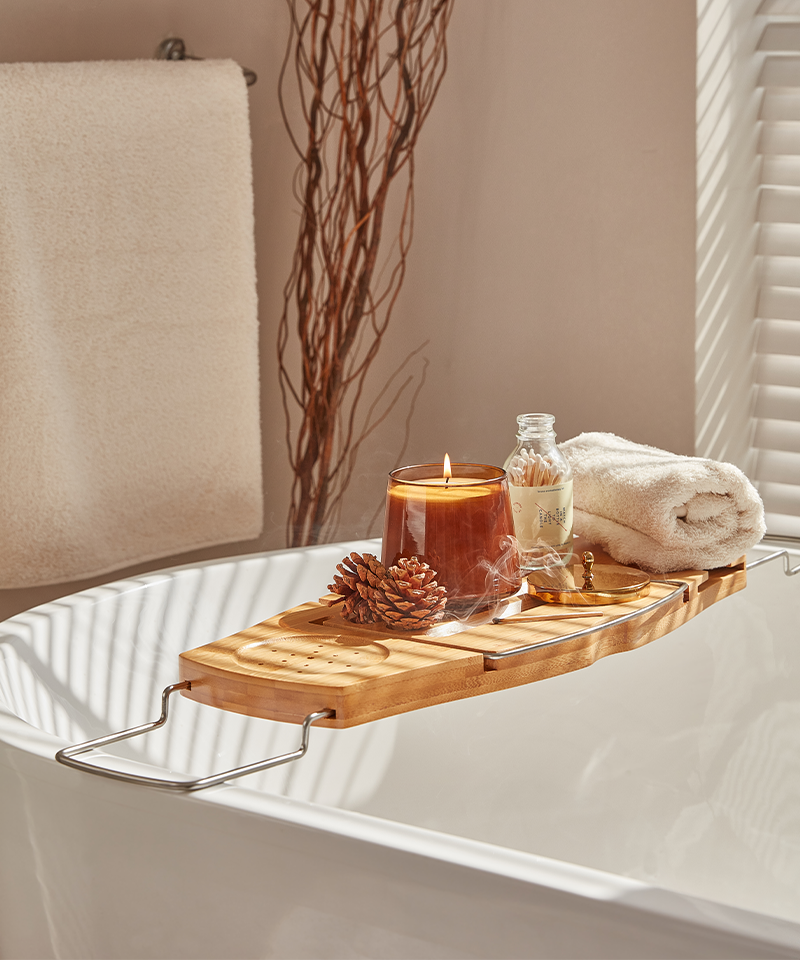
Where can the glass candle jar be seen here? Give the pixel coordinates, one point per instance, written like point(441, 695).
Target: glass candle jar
point(540, 481)
point(461, 526)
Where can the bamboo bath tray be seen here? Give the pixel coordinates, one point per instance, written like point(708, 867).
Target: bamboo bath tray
point(309, 659)
point(309, 666)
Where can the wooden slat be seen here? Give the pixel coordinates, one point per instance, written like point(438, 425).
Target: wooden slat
point(309, 659)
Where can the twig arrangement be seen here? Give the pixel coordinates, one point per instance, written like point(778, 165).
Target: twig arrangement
point(367, 72)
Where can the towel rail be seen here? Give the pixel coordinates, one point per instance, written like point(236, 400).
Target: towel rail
point(174, 48)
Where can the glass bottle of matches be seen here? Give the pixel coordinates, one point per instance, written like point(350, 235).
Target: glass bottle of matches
point(540, 483)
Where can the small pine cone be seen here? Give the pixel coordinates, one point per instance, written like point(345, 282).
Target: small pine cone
point(355, 575)
point(408, 596)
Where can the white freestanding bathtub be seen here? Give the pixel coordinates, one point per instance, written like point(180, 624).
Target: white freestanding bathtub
point(648, 806)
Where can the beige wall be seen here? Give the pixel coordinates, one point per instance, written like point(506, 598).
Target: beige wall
point(553, 258)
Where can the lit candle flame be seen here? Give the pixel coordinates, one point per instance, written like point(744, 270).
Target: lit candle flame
point(446, 471)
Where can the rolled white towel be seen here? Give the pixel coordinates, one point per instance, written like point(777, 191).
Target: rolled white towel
point(661, 511)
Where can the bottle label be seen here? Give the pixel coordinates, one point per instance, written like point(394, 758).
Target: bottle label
point(542, 515)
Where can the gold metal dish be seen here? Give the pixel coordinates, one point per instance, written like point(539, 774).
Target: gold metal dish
point(587, 584)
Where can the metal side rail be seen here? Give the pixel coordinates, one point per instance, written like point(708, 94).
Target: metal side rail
point(68, 755)
point(678, 587)
point(788, 569)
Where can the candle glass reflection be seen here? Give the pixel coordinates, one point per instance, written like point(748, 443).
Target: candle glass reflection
point(461, 526)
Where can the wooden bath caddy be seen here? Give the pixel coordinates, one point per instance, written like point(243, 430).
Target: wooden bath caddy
point(309, 666)
point(309, 660)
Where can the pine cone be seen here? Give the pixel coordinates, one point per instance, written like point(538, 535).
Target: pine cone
point(356, 573)
point(407, 596)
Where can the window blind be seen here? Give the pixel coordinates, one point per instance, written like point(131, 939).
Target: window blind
point(777, 362)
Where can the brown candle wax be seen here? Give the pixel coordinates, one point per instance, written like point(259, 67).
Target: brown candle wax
point(461, 526)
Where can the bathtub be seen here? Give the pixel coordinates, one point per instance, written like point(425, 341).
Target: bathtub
point(648, 806)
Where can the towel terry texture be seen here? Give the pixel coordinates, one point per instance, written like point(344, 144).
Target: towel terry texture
point(658, 510)
point(129, 395)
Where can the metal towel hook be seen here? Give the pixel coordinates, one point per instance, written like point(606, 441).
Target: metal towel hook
point(175, 49)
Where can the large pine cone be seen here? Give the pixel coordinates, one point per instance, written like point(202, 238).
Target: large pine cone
point(355, 574)
point(408, 596)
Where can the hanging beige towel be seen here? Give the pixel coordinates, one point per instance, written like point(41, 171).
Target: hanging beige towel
point(129, 400)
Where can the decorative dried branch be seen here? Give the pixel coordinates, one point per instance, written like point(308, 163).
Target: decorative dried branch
point(368, 72)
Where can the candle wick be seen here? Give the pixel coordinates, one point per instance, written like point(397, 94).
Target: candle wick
point(446, 481)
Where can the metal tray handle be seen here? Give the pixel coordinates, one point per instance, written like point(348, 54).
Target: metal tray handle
point(68, 755)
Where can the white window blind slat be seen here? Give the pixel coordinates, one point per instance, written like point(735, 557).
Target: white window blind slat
point(778, 105)
point(781, 171)
point(780, 271)
point(778, 403)
point(777, 363)
point(780, 466)
point(776, 370)
point(779, 240)
point(778, 435)
point(780, 72)
point(781, 138)
point(779, 205)
point(787, 522)
point(779, 8)
point(780, 37)
point(779, 303)
point(779, 336)
point(783, 499)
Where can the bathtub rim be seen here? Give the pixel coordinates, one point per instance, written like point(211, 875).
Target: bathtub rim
point(536, 870)
point(546, 873)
